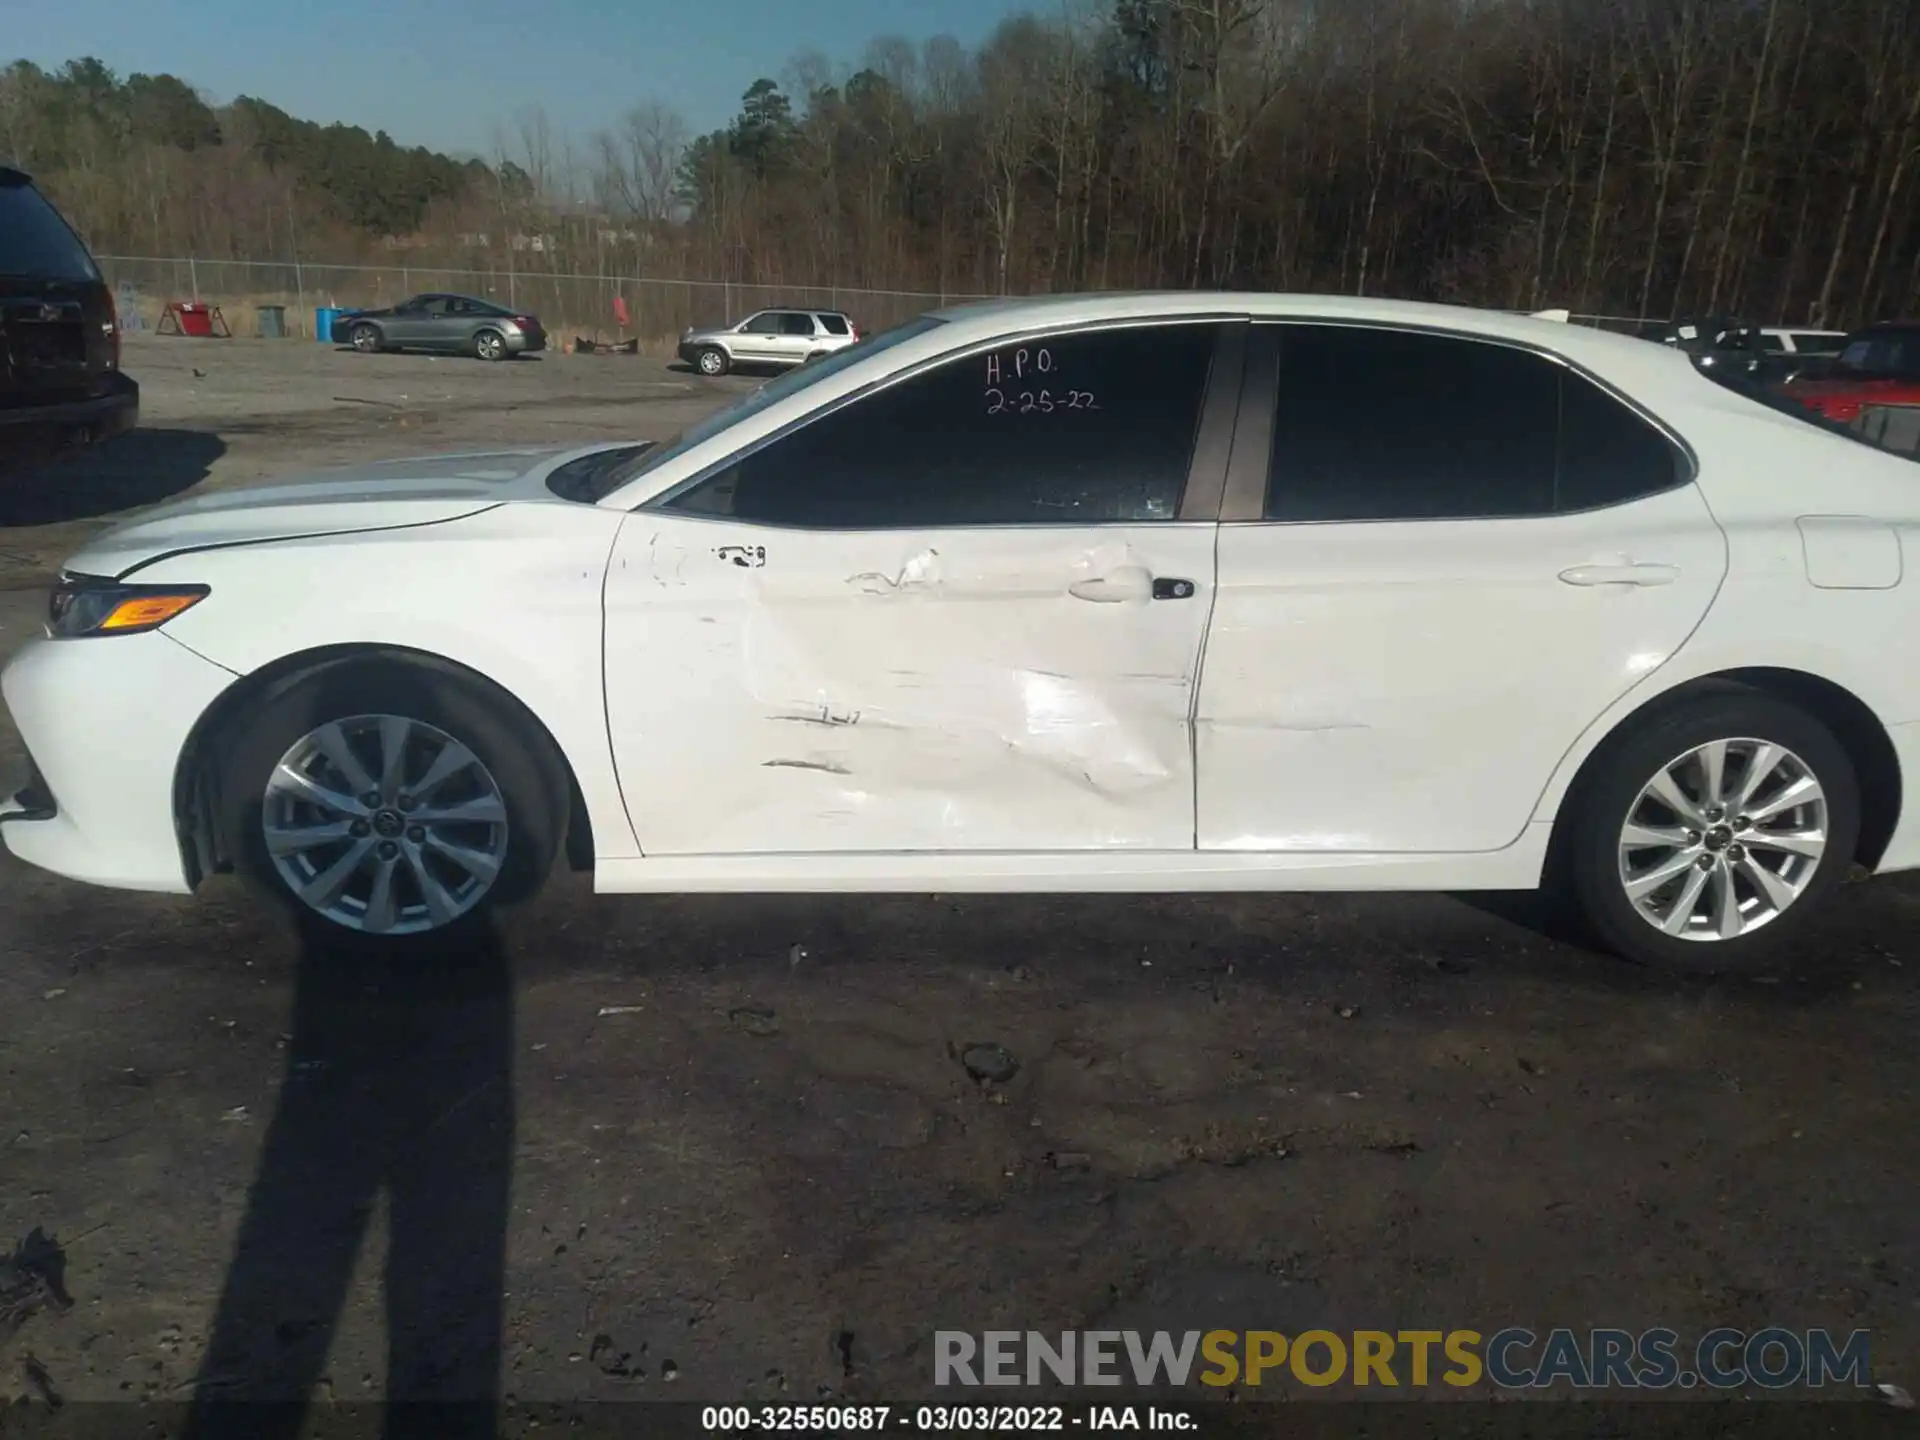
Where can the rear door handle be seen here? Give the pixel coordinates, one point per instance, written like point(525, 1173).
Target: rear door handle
point(1626, 574)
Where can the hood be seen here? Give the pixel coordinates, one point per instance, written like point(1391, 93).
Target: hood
point(382, 495)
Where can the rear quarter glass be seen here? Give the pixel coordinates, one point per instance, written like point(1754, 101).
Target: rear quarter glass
point(35, 241)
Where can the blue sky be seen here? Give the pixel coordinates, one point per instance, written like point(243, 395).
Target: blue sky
point(446, 73)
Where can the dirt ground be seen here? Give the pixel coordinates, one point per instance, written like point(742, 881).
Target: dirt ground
point(726, 1148)
point(216, 413)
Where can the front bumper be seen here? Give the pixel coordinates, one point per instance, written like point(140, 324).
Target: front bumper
point(104, 722)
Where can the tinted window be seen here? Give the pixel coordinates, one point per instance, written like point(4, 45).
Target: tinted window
point(1892, 353)
point(1388, 425)
point(763, 324)
point(796, 325)
point(774, 391)
point(1077, 429)
point(834, 324)
point(1608, 454)
point(1817, 344)
point(35, 241)
point(1384, 425)
point(1772, 343)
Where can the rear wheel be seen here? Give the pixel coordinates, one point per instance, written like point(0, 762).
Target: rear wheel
point(1709, 835)
point(366, 339)
point(390, 802)
point(711, 360)
point(490, 345)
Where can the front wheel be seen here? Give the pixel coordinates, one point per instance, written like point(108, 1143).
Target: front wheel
point(711, 361)
point(389, 802)
point(365, 339)
point(1709, 835)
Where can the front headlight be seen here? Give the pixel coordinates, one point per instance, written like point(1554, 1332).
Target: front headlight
point(82, 605)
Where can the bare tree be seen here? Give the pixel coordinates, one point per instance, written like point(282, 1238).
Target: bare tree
point(639, 162)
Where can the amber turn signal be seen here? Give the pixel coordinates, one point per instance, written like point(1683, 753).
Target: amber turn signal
point(143, 612)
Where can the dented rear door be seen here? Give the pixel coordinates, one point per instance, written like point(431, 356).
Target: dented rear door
point(793, 665)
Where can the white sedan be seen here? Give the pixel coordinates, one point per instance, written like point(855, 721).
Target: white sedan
point(1119, 593)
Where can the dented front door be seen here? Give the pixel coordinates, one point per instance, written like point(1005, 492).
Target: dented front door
point(996, 688)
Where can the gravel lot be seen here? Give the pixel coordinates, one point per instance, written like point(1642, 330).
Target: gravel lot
point(216, 413)
point(726, 1148)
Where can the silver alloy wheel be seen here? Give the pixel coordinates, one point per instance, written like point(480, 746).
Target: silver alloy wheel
point(489, 345)
point(1723, 839)
point(384, 824)
point(712, 362)
point(366, 339)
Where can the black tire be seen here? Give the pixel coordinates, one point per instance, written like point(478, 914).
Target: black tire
point(531, 778)
point(367, 339)
point(712, 360)
point(1607, 793)
point(490, 345)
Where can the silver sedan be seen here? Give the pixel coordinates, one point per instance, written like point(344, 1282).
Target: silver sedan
point(454, 324)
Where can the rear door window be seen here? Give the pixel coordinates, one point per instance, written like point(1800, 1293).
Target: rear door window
point(792, 324)
point(35, 241)
point(1377, 424)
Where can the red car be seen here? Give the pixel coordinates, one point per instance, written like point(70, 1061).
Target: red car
point(1879, 366)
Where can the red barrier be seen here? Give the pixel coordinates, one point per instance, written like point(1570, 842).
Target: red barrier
point(193, 317)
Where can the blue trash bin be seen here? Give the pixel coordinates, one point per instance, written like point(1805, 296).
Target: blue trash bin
point(325, 318)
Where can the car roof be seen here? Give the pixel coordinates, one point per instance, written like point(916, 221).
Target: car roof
point(1606, 349)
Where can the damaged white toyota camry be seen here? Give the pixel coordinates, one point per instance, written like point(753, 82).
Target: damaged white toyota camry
point(1119, 593)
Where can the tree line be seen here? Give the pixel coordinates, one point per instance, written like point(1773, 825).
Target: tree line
point(1629, 157)
point(146, 164)
point(1624, 157)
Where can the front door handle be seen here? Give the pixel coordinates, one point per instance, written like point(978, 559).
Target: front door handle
point(1116, 586)
point(1620, 574)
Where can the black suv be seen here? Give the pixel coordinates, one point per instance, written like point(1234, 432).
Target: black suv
point(60, 380)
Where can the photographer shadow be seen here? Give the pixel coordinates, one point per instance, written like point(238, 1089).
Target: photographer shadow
point(398, 1084)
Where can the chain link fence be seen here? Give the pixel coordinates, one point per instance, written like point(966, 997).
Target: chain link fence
point(657, 310)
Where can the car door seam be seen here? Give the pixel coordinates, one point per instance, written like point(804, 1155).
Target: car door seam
point(1579, 740)
point(606, 699)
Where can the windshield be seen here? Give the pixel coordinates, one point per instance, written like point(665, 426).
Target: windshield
point(771, 393)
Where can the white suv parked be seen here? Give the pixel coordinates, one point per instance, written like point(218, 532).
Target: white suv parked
point(768, 337)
